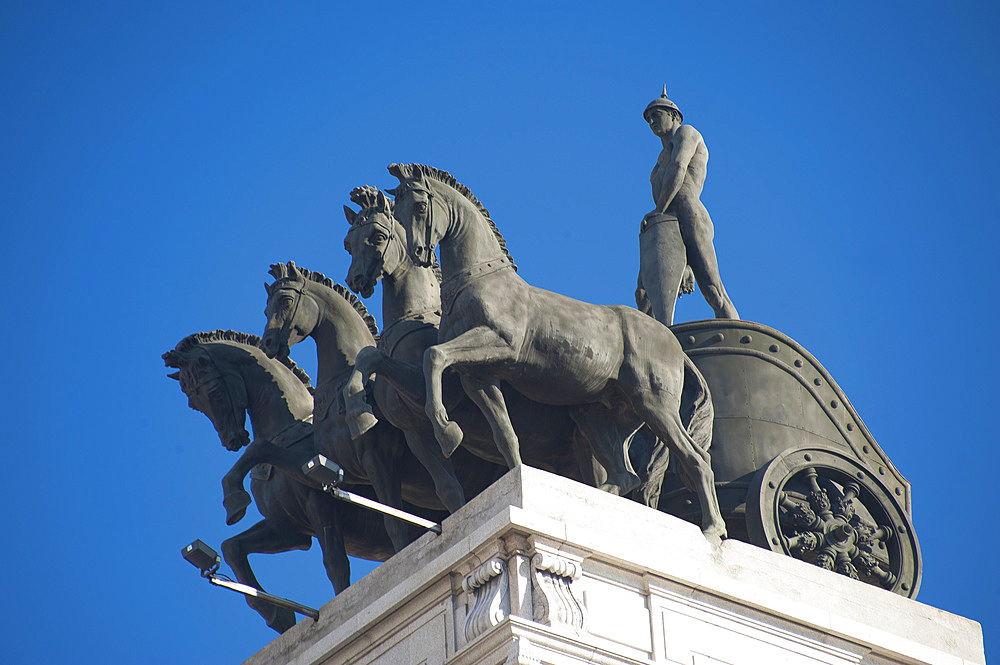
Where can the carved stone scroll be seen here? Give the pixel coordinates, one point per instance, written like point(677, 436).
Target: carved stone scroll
point(552, 590)
point(491, 597)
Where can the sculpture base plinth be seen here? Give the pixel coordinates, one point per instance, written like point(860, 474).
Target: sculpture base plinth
point(542, 570)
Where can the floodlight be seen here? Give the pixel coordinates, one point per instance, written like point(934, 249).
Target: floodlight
point(201, 556)
point(207, 560)
point(328, 473)
point(324, 470)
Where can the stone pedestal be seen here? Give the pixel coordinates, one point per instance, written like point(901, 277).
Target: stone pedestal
point(542, 570)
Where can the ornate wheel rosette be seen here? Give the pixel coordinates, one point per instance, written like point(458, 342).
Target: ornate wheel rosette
point(819, 506)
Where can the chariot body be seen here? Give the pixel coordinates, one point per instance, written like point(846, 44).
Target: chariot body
point(796, 470)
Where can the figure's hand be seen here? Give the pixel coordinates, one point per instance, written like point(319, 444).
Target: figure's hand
point(687, 282)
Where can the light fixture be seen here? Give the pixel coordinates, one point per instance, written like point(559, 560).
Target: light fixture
point(203, 557)
point(328, 473)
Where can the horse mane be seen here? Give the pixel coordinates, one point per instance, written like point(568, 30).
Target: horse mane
point(172, 359)
point(366, 196)
point(407, 171)
point(291, 271)
point(359, 307)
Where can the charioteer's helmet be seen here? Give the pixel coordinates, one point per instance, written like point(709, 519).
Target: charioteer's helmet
point(662, 102)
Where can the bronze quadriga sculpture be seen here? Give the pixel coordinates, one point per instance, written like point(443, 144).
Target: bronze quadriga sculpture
point(477, 369)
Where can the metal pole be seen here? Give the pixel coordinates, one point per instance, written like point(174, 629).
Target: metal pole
point(263, 595)
point(331, 474)
point(365, 502)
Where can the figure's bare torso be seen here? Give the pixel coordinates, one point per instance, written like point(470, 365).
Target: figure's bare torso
point(689, 195)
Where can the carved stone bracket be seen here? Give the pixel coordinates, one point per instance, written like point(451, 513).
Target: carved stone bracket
point(488, 585)
point(552, 590)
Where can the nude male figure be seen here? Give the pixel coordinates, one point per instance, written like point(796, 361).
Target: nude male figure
point(677, 181)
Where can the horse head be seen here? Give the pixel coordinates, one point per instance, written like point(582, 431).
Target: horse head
point(214, 387)
point(414, 209)
point(291, 312)
point(374, 241)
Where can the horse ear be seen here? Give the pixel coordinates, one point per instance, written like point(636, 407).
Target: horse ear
point(384, 204)
point(267, 287)
point(350, 214)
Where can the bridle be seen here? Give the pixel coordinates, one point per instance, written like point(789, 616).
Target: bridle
point(286, 327)
point(409, 187)
point(211, 384)
point(370, 276)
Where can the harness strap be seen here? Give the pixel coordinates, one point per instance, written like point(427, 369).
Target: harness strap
point(457, 283)
point(294, 433)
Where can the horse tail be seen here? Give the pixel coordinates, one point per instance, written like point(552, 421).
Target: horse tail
point(697, 411)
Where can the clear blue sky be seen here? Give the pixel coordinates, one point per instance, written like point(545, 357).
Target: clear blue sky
point(156, 157)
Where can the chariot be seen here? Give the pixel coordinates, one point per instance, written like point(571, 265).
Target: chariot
point(796, 470)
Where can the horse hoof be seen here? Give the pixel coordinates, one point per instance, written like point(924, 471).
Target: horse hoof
point(359, 423)
point(620, 485)
point(450, 437)
point(236, 504)
point(715, 534)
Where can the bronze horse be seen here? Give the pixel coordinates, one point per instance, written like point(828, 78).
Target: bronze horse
point(496, 327)
point(302, 303)
point(411, 306)
point(226, 376)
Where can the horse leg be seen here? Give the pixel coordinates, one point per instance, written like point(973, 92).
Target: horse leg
point(267, 536)
point(489, 398)
point(406, 378)
point(478, 346)
point(649, 457)
point(235, 498)
point(324, 514)
point(446, 483)
point(590, 470)
point(386, 479)
point(662, 416)
point(609, 444)
point(359, 415)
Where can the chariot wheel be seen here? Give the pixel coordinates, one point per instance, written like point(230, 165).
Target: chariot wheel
point(820, 506)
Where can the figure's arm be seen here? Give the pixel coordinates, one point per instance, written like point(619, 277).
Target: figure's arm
point(686, 142)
